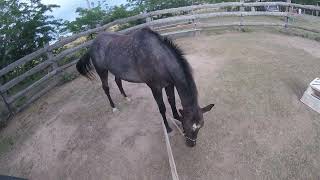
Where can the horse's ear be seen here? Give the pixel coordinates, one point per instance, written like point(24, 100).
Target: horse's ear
point(207, 108)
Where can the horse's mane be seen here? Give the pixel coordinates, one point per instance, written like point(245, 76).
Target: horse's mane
point(180, 56)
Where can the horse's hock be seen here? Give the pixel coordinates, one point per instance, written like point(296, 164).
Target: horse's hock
point(258, 129)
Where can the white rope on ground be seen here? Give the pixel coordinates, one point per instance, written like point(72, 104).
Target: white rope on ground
point(173, 168)
point(177, 126)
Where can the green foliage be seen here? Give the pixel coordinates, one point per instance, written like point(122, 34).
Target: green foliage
point(24, 28)
point(66, 77)
point(118, 12)
point(310, 2)
point(27, 81)
point(73, 57)
point(245, 29)
point(21, 101)
point(153, 5)
point(5, 144)
point(88, 19)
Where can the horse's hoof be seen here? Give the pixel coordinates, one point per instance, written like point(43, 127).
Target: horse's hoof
point(128, 99)
point(115, 110)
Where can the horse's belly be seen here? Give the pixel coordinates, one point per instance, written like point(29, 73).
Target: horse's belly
point(127, 75)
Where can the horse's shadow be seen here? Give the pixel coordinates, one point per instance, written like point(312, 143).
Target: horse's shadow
point(297, 86)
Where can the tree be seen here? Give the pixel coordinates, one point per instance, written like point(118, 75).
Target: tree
point(153, 5)
point(310, 2)
point(24, 28)
point(118, 12)
point(88, 19)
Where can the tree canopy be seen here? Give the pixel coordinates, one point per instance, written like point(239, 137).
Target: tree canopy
point(153, 5)
point(310, 2)
point(24, 27)
point(101, 14)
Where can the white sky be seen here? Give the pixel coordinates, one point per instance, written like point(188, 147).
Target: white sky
point(68, 7)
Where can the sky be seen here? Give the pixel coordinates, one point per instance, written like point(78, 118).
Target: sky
point(68, 7)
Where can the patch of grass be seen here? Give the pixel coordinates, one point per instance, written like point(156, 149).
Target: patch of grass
point(5, 144)
point(245, 29)
point(21, 101)
point(219, 30)
point(66, 77)
point(70, 58)
point(3, 123)
point(301, 33)
point(27, 81)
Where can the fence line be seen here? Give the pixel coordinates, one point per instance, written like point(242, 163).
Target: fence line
point(143, 16)
point(158, 24)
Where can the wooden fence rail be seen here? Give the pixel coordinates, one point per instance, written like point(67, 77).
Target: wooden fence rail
point(143, 16)
point(159, 23)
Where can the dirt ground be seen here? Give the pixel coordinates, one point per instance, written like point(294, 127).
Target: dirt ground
point(258, 129)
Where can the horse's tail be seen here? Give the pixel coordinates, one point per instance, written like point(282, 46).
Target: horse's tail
point(84, 66)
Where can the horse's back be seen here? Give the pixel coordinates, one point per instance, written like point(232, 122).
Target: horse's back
point(136, 57)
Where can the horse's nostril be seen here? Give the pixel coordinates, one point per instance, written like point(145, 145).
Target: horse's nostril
point(191, 143)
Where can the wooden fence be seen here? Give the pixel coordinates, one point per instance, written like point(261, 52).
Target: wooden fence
point(183, 15)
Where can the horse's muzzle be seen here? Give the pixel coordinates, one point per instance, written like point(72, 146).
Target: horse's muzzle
point(191, 143)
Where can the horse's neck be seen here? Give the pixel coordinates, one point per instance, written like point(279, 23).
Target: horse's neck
point(188, 95)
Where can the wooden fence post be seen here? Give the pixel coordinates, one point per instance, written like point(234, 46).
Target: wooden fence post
point(195, 22)
point(50, 57)
point(241, 17)
point(148, 19)
point(241, 7)
point(54, 64)
point(4, 97)
point(288, 10)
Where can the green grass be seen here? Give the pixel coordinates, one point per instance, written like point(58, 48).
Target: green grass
point(5, 144)
point(21, 101)
point(246, 29)
point(66, 77)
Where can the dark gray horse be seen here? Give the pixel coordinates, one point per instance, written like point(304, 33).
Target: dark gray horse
point(144, 56)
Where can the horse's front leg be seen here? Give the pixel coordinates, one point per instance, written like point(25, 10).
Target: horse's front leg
point(172, 101)
point(103, 74)
point(157, 94)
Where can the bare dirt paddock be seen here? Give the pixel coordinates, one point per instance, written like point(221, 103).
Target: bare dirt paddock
point(258, 129)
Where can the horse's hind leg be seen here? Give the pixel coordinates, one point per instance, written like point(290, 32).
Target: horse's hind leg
point(157, 94)
point(104, 79)
point(172, 101)
point(119, 84)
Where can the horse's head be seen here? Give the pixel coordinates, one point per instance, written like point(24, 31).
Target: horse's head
point(192, 121)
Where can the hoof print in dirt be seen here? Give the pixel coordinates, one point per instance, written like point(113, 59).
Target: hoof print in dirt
point(128, 99)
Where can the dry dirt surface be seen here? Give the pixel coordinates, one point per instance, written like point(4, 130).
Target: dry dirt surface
point(258, 129)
